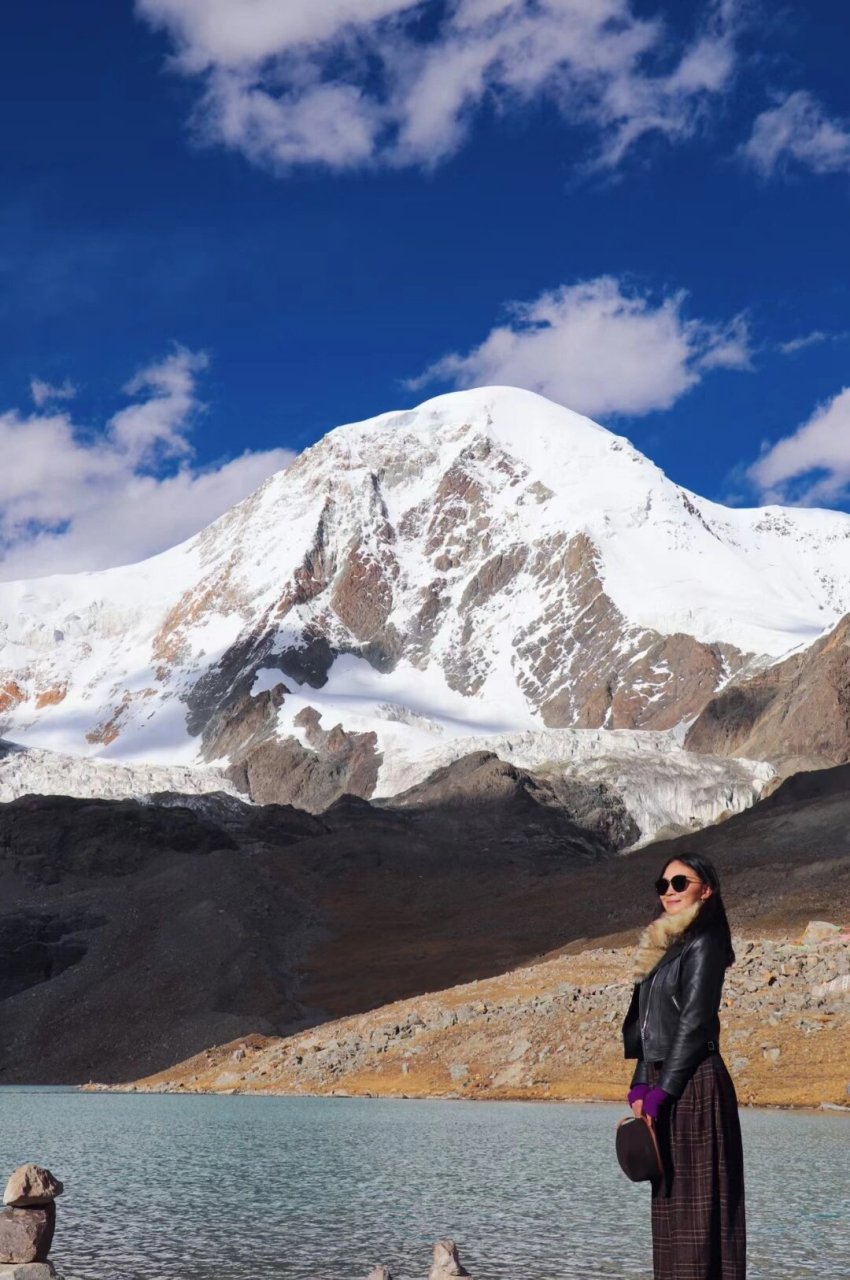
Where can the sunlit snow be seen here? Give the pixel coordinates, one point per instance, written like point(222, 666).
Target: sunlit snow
point(101, 664)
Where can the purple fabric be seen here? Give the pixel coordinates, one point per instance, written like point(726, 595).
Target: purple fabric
point(654, 1101)
point(637, 1093)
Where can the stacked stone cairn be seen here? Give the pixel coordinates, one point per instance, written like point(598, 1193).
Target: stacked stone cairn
point(445, 1263)
point(27, 1224)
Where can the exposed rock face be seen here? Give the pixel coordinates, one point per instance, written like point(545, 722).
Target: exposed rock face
point(578, 659)
point(584, 664)
point(508, 798)
point(244, 724)
point(335, 763)
point(795, 714)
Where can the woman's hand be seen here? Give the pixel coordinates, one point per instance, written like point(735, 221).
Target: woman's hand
point(635, 1097)
point(654, 1101)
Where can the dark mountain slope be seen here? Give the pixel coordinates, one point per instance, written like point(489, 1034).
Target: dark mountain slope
point(134, 936)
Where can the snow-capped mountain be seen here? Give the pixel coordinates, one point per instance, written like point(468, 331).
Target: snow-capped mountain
point(485, 564)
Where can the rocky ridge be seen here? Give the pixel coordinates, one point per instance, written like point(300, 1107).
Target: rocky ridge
point(662, 787)
point(646, 776)
point(551, 1030)
point(795, 714)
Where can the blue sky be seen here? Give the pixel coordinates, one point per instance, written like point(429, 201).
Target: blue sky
point(267, 218)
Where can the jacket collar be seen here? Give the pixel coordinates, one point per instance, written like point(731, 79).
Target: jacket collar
point(658, 937)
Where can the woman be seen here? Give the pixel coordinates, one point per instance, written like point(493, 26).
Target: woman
point(681, 1083)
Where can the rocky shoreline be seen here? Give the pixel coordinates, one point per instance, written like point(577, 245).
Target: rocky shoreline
point(550, 1030)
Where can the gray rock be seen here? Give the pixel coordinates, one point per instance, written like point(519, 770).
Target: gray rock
point(29, 1271)
point(446, 1261)
point(834, 986)
point(740, 1033)
point(819, 931)
point(519, 1050)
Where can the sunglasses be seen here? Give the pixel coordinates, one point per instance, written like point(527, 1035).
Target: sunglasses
point(677, 883)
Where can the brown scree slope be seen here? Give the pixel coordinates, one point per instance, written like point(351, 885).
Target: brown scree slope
point(551, 1030)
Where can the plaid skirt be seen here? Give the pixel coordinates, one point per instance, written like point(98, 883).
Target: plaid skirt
point(698, 1221)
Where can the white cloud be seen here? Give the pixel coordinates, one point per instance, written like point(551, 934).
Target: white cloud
point(234, 34)
point(813, 339)
point(798, 130)
point(811, 467)
point(157, 424)
point(345, 83)
point(599, 349)
point(74, 499)
point(44, 392)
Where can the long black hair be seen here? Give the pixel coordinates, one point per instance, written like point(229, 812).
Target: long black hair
point(711, 917)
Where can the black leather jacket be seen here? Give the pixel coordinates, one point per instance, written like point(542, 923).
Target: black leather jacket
point(672, 1018)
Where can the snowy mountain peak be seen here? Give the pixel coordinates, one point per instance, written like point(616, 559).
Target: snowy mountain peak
point(520, 421)
point(543, 441)
point(485, 563)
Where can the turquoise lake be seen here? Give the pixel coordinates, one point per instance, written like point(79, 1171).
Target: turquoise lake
point(236, 1188)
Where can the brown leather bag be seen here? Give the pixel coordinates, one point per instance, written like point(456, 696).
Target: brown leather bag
point(638, 1152)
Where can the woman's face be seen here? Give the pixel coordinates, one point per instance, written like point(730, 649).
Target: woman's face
point(694, 891)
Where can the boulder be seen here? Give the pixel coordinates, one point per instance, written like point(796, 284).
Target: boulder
point(26, 1234)
point(30, 1185)
point(29, 1271)
point(446, 1262)
point(819, 931)
point(379, 1273)
point(835, 986)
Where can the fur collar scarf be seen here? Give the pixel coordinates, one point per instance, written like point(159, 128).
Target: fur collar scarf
point(658, 936)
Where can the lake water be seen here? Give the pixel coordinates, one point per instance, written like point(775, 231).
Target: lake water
point(237, 1188)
